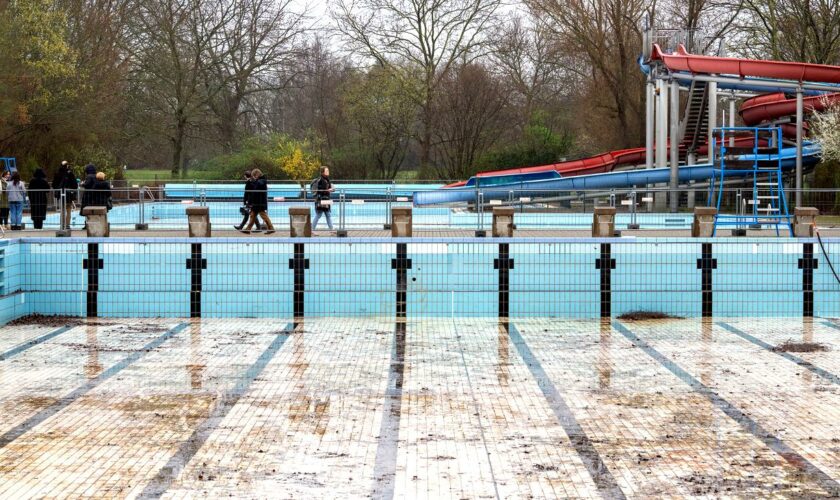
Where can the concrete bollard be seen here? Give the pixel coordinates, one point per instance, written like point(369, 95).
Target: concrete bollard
point(704, 222)
point(401, 222)
point(804, 220)
point(603, 222)
point(198, 220)
point(300, 222)
point(97, 222)
point(503, 222)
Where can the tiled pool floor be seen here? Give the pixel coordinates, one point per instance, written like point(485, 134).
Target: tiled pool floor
point(433, 408)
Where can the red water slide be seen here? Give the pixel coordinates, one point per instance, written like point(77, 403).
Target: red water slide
point(753, 111)
point(770, 106)
point(756, 68)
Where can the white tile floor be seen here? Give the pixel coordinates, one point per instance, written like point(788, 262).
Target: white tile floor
point(462, 409)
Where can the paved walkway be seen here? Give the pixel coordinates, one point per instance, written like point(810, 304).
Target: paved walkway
point(439, 233)
point(359, 408)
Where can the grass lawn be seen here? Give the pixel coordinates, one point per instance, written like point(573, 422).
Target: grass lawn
point(143, 175)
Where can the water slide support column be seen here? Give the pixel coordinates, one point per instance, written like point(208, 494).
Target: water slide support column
point(713, 99)
point(650, 122)
point(675, 146)
point(799, 112)
point(650, 129)
point(661, 135)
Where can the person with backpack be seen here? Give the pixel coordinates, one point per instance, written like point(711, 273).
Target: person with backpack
point(321, 189)
point(17, 195)
point(256, 191)
point(65, 181)
point(4, 199)
point(39, 190)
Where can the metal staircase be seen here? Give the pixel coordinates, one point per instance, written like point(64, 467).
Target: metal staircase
point(762, 162)
point(695, 126)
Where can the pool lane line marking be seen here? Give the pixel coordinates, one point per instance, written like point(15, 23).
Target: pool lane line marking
point(747, 423)
point(27, 425)
point(477, 410)
point(385, 464)
point(190, 447)
point(830, 324)
point(788, 356)
point(34, 342)
point(598, 471)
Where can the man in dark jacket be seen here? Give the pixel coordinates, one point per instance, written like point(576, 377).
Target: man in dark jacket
point(88, 197)
point(256, 193)
point(65, 182)
point(322, 198)
point(38, 192)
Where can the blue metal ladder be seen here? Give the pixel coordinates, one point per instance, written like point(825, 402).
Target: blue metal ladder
point(763, 163)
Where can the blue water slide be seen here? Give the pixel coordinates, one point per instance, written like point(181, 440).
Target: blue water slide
point(611, 180)
point(175, 190)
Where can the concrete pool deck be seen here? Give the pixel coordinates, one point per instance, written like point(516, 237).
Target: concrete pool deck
point(354, 408)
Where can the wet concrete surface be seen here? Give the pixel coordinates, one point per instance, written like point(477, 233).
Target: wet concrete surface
point(472, 408)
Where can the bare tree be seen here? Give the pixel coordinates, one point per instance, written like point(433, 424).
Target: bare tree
point(706, 21)
point(420, 39)
point(251, 54)
point(382, 107)
point(529, 59)
point(795, 30)
point(606, 37)
point(168, 42)
point(469, 104)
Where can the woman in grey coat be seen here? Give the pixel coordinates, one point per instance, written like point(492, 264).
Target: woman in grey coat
point(17, 195)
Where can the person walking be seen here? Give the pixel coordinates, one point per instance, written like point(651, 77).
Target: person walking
point(17, 195)
point(65, 181)
point(4, 199)
point(245, 209)
point(38, 191)
point(322, 198)
point(258, 199)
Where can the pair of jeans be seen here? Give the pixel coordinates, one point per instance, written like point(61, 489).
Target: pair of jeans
point(16, 210)
point(264, 216)
point(4, 216)
point(318, 214)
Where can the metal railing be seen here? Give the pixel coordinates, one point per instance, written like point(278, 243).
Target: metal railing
point(370, 209)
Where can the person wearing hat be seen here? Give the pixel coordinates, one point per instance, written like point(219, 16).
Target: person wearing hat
point(89, 197)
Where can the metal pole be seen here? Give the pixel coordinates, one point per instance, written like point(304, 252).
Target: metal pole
point(480, 232)
point(387, 208)
point(732, 120)
point(675, 147)
point(342, 231)
point(799, 113)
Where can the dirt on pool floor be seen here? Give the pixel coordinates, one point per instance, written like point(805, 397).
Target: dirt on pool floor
point(790, 346)
point(646, 316)
point(56, 321)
